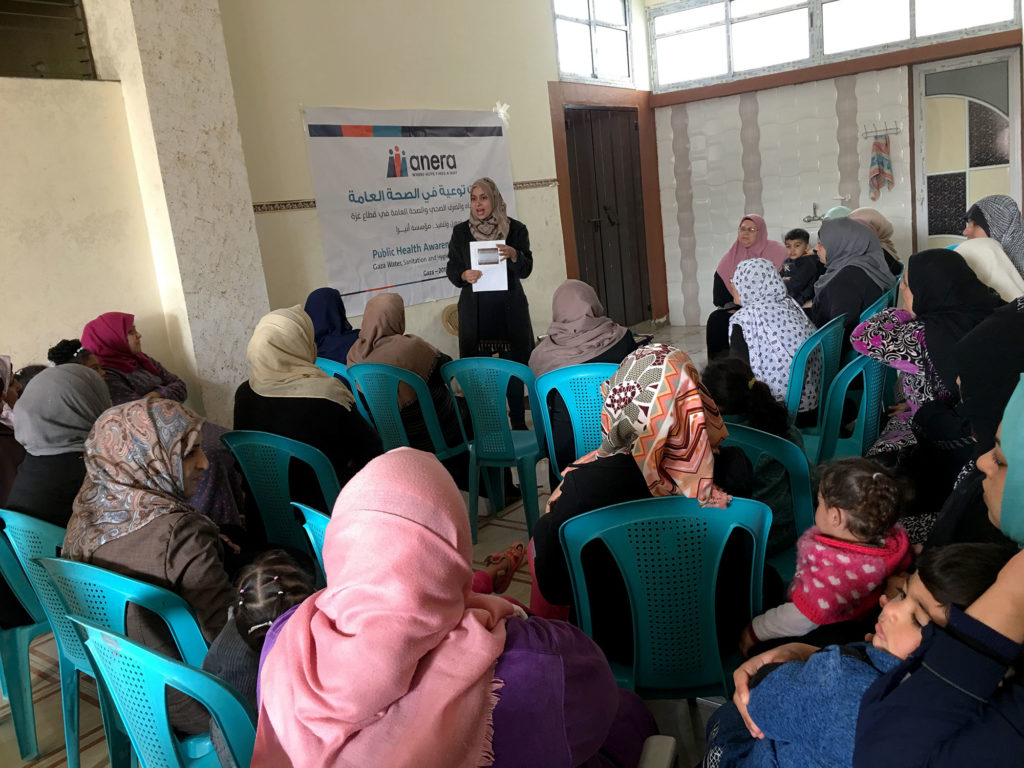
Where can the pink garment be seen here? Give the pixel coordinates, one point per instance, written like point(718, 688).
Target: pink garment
point(838, 580)
point(107, 338)
point(763, 248)
point(393, 663)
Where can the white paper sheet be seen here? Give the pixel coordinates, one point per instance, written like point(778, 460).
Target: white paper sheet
point(484, 255)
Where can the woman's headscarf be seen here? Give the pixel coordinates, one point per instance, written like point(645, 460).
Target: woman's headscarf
point(55, 414)
point(382, 339)
point(987, 259)
point(133, 472)
point(6, 375)
point(333, 332)
point(1011, 516)
point(880, 225)
point(393, 663)
point(762, 248)
point(950, 300)
point(774, 326)
point(656, 410)
point(837, 212)
point(848, 243)
point(990, 360)
point(282, 356)
point(495, 225)
point(107, 338)
point(579, 329)
point(999, 216)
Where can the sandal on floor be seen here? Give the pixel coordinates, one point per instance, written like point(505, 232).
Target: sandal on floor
point(509, 562)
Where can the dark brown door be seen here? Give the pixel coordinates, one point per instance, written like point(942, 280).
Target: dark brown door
point(604, 169)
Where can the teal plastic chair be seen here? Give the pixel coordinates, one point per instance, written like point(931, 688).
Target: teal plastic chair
point(334, 368)
point(754, 443)
point(869, 411)
point(484, 382)
point(264, 459)
point(668, 550)
point(15, 673)
point(32, 539)
point(579, 386)
point(136, 677)
point(315, 525)
point(829, 340)
point(887, 299)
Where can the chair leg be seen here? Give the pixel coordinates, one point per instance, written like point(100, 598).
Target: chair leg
point(495, 487)
point(17, 676)
point(69, 704)
point(528, 485)
point(474, 489)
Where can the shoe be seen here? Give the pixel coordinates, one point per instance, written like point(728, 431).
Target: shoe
point(508, 562)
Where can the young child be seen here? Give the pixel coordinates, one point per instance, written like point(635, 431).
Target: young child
point(802, 269)
point(806, 709)
point(842, 562)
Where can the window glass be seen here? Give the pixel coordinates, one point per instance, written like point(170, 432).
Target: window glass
point(936, 16)
point(574, 48)
point(692, 56)
point(769, 40)
point(689, 19)
point(575, 8)
point(610, 12)
point(741, 8)
point(611, 55)
point(851, 24)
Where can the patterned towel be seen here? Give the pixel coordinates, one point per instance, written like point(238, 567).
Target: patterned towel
point(880, 174)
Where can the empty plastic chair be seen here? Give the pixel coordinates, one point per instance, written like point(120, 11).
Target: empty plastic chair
point(315, 525)
point(579, 386)
point(264, 459)
point(869, 412)
point(484, 382)
point(829, 340)
point(668, 550)
point(334, 368)
point(136, 677)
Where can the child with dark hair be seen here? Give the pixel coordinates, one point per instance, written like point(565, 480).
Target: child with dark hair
point(797, 684)
point(24, 375)
point(71, 351)
point(844, 559)
point(801, 270)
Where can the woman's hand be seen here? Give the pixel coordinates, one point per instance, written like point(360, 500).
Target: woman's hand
point(472, 275)
point(508, 252)
point(741, 677)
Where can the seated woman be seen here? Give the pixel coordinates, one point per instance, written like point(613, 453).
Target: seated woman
point(751, 243)
point(883, 230)
point(998, 217)
point(286, 394)
point(987, 259)
point(130, 374)
point(333, 332)
point(11, 452)
point(399, 663)
point(143, 460)
point(382, 339)
point(768, 329)
point(71, 351)
point(855, 273)
point(52, 421)
point(579, 333)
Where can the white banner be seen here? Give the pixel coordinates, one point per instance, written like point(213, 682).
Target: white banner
point(389, 186)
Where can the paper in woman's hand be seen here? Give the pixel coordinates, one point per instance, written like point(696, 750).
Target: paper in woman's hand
point(485, 256)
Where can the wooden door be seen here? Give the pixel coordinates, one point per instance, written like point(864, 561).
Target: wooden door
point(607, 207)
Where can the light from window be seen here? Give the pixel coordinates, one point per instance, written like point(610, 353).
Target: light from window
point(851, 24)
point(611, 54)
point(576, 8)
point(769, 40)
point(692, 55)
point(610, 12)
point(936, 16)
point(574, 49)
point(740, 8)
point(689, 19)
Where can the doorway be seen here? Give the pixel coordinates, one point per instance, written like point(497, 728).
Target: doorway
point(607, 205)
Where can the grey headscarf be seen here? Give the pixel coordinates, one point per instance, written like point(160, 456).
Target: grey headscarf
point(56, 412)
point(848, 243)
point(1002, 222)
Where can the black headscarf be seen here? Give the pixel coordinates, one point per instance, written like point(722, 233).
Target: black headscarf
point(334, 333)
point(951, 301)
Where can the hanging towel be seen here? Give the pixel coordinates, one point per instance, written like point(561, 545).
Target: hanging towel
point(880, 174)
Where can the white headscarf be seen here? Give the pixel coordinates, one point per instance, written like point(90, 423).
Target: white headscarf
point(987, 259)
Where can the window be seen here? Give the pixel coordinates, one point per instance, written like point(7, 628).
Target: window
point(44, 39)
point(593, 40)
point(697, 42)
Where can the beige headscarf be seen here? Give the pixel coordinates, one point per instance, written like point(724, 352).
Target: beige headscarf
point(880, 225)
point(282, 355)
point(989, 262)
point(495, 225)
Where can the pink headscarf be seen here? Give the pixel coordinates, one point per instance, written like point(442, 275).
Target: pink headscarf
point(763, 248)
point(107, 338)
point(393, 663)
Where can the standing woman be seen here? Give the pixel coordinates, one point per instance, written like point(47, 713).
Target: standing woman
point(751, 243)
point(493, 322)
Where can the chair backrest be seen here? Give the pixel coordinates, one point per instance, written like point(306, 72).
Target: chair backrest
point(334, 368)
point(484, 382)
point(869, 412)
point(102, 596)
point(668, 550)
point(264, 459)
point(14, 575)
point(135, 677)
point(315, 524)
point(379, 385)
point(579, 386)
point(829, 339)
point(32, 539)
point(887, 299)
point(756, 442)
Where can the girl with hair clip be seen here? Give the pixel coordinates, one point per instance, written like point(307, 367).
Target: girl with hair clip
point(844, 559)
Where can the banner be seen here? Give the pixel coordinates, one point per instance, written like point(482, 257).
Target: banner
point(390, 186)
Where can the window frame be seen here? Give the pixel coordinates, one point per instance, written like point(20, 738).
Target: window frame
point(592, 22)
point(816, 36)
